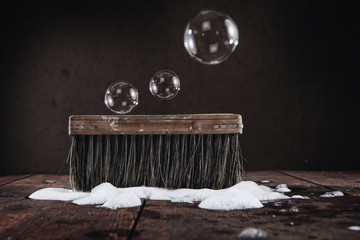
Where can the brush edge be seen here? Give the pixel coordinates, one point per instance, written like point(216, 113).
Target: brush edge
point(223, 123)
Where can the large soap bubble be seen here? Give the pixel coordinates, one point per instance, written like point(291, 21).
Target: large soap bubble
point(121, 97)
point(210, 37)
point(164, 85)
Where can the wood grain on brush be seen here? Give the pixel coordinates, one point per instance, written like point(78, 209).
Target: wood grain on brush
point(222, 123)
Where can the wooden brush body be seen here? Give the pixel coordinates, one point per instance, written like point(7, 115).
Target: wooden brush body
point(155, 124)
point(171, 151)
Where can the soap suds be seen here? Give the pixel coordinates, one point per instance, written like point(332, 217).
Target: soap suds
point(244, 195)
point(265, 181)
point(122, 200)
point(99, 195)
point(231, 201)
point(299, 197)
point(354, 228)
point(293, 209)
point(57, 194)
point(252, 233)
point(332, 194)
point(49, 181)
point(282, 188)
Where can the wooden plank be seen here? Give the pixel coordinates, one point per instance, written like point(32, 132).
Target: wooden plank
point(22, 218)
point(345, 181)
point(316, 218)
point(275, 178)
point(11, 178)
point(155, 124)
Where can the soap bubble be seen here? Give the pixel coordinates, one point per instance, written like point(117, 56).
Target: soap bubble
point(211, 37)
point(121, 97)
point(164, 85)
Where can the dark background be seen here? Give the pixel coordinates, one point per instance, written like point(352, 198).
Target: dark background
point(293, 76)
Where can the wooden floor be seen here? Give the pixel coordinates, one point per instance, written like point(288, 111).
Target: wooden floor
point(316, 218)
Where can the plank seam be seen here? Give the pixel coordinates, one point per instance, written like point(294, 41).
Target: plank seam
point(302, 179)
point(133, 228)
point(30, 175)
point(328, 187)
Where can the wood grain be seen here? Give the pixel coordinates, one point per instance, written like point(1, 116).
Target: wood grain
point(346, 181)
point(11, 178)
point(155, 124)
point(275, 178)
point(22, 218)
point(317, 218)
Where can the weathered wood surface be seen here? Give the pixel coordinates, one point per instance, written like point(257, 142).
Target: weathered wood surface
point(155, 124)
point(11, 178)
point(348, 181)
point(22, 218)
point(315, 218)
point(275, 178)
point(318, 219)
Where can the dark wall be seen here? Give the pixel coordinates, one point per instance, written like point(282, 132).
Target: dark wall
point(293, 75)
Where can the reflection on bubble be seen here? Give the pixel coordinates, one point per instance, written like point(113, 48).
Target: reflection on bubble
point(210, 37)
point(121, 97)
point(164, 85)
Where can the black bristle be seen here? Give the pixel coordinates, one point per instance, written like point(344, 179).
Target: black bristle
point(170, 161)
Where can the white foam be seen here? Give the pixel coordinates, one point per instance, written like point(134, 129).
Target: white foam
point(244, 195)
point(252, 233)
point(299, 197)
point(231, 201)
point(99, 195)
point(282, 188)
point(265, 181)
point(354, 228)
point(294, 209)
point(333, 194)
point(122, 200)
point(57, 194)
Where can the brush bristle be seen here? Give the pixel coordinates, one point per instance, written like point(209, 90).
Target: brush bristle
point(169, 161)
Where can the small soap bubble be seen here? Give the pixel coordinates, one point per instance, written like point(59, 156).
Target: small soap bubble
point(354, 228)
point(164, 85)
point(210, 37)
point(49, 181)
point(121, 97)
point(265, 181)
point(294, 209)
point(252, 233)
